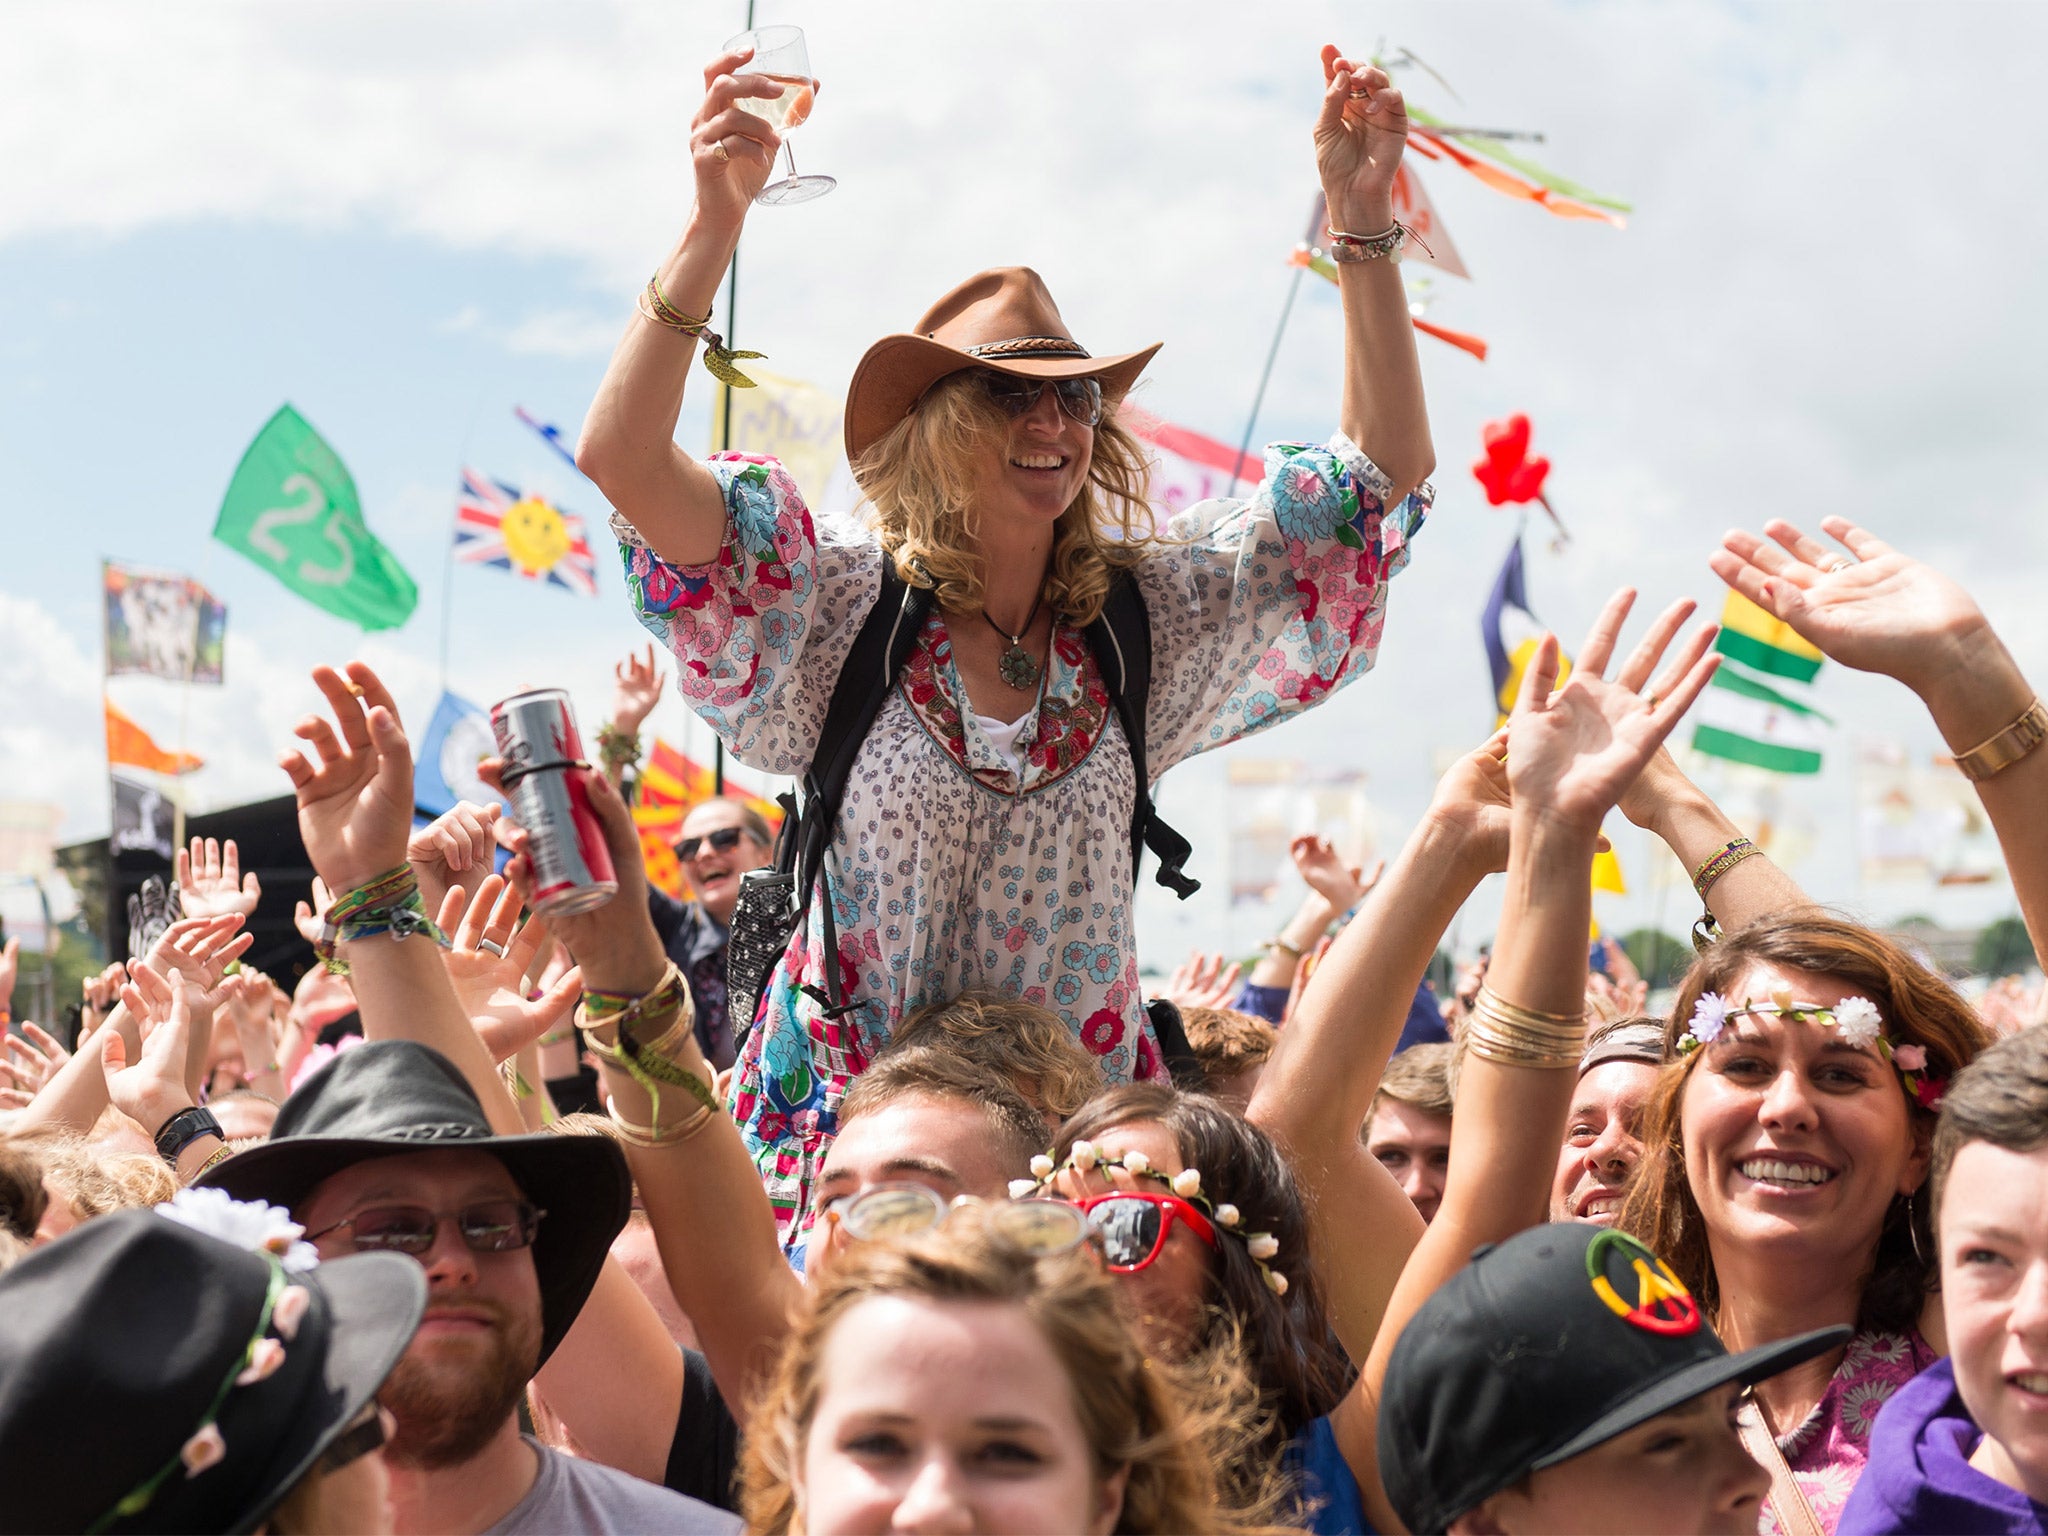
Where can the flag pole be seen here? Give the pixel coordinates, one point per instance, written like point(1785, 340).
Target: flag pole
point(732, 307)
point(1259, 397)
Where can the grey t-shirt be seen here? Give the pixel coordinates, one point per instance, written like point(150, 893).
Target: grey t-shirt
point(582, 1496)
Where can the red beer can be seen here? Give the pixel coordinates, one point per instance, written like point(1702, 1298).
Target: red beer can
point(572, 867)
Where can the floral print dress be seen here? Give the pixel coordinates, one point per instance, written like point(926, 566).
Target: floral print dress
point(1827, 1453)
point(949, 868)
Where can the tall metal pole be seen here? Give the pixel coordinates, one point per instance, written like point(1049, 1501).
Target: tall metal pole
point(1259, 399)
point(732, 309)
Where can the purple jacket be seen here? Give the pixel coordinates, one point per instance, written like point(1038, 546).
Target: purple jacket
point(1920, 1478)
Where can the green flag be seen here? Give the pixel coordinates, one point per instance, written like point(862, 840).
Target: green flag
point(292, 509)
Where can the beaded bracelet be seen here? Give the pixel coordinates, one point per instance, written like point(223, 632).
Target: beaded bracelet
point(1349, 247)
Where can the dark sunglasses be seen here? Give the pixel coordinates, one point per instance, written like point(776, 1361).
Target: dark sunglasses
point(1079, 398)
point(489, 1226)
point(1133, 1225)
point(364, 1434)
point(724, 840)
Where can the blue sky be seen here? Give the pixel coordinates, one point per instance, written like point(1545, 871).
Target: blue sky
point(407, 219)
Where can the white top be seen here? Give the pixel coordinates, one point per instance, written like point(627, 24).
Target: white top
point(1003, 736)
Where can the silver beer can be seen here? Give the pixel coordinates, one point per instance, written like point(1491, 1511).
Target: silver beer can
point(537, 738)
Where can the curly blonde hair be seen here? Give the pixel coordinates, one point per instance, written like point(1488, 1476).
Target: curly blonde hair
point(919, 481)
point(1024, 1043)
point(1171, 1430)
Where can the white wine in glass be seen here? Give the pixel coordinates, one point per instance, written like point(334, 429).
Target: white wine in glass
point(780, 56)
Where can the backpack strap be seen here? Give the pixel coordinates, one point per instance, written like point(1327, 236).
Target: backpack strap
point(1122, 641)
point(865, 678)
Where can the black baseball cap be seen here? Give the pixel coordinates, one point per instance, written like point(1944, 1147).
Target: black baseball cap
point(1541, 1348)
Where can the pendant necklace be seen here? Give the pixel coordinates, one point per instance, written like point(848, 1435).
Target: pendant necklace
point(1019, 668)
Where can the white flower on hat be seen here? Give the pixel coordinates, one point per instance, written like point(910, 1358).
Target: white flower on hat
point(1226, 1215)
point(1137, 1162)
point(1041, 1166)
point(1083, 1154)
point(203, 1450)
point(1019, 1188)
point(1187, 1183)
point(1262, 1245)
point(250, 1224)
point(1857, 1020)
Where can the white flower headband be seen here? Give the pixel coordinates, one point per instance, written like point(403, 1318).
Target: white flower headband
point(1083, 1156)
point(1856, 1019)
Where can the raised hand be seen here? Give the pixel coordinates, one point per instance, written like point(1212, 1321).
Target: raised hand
point(453, 847)
point(1359, 135)
point(211, 882)
point(636, 690)
point(732, 150)
point(310, 920)
point(489, 956)
point(10, 967)
point(251, 1012)
point(148, 995)
point(32, 1057)
point(1203, 981)
point(155, 1086)
point(199, 949)
point(1342, 885)
point(355, 808)
point(1572, 752)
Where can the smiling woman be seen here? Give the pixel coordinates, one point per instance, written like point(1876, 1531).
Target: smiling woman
point(984, 838)
point(1785, 1148)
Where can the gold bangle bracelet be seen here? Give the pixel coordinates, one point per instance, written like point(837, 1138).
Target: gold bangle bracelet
point(1528, 1015)
point(1506, 1023)
point(651, 1136)
point(2016, 741)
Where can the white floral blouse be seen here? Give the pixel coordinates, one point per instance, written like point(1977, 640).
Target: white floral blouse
point(951, 870)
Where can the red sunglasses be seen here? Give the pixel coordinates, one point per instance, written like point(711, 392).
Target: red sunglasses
point(1132, 1225)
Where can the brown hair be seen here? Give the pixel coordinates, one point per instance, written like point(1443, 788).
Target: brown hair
point(2001, 1098)
point(1919, 1008)
point(932, 1071)
point(1030, 1046)
point(1163, 1424)
point(22, 1196)
point(919, 478)
point(1419, 1077)
point(1227, 1042)
point(1285, 1341)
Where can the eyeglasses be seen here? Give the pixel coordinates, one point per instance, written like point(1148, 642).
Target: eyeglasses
point(364, 1434)
point(1132, 1226)
point(883, 1211)
point(1079, 398)
point(724, 840)
point(489, 1226)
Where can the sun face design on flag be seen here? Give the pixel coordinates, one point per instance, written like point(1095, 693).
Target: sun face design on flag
point(497, 524)
point(535, 537)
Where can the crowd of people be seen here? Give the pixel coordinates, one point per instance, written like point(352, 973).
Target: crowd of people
point(503, 1221)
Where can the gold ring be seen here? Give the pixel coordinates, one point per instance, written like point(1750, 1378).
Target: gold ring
point(1836, 563)
point(1651, 700)
point(718, 148)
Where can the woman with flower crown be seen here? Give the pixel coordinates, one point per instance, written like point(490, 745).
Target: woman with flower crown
point(1784, 1152)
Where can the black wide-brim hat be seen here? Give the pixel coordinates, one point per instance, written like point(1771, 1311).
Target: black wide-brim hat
point(1541, 1348)
point(391, 1098)
point(116, 1340)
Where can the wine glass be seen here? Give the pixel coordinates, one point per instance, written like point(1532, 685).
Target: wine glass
point(779, 53)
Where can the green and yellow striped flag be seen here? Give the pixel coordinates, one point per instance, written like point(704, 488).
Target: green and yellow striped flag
point(1746, 721)
point(1756, 639)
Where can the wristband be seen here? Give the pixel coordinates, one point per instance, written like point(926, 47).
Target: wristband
point(182, 1129)
point(1281, 944)
point(1714, 868)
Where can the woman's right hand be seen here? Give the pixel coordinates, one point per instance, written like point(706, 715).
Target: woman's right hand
point(732, 150)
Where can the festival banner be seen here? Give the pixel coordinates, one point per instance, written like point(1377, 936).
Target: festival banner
point(292, 509)
point(1186, 466)
point(162, 625)
point(1920, 822)
point(457, 739)
point(1511, 632)
point(1275, 800)
point(1763, 642)
point(498, 525)
point(143, 819)
point(130, 746)
point(788, 420)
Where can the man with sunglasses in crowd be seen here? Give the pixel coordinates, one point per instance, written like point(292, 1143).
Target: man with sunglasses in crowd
point(722, 839)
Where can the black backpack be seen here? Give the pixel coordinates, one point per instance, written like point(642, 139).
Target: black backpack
point(773, 901)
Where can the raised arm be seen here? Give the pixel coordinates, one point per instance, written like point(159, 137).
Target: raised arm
point(1570, 755)
point(1877, 610)
point(628, 445)
point(694, 1174)
point(1665, 802)
point(1359, 137)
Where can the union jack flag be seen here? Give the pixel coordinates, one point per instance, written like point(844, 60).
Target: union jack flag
point(496, 524)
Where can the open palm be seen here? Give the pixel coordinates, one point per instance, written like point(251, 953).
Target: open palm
point(355, 808)
point(1572, 752)
point(489, 956)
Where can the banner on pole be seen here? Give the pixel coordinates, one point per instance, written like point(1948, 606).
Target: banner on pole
point(788, 420)
point(1186, 466)
point(142, 818)
point(292, 509)
point(130, 746)
point(457, 739)
point(161, 624)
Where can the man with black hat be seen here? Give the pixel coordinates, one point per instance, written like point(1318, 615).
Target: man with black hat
point(1565, 1381)
point(390, 1148)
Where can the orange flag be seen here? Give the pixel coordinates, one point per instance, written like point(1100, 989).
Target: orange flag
point(671, 786)
point(129, 745)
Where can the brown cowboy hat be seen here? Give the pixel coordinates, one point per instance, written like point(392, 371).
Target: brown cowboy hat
point(1002, 319)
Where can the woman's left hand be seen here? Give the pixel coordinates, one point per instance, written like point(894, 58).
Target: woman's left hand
point(1359, 137)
